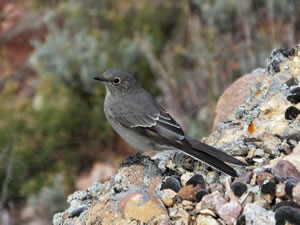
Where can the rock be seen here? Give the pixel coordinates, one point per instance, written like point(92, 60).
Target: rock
point(285, 169)
point(268, 188)
point(263, 177)
point(289, 186)
point(259, 152)
point(280, 190)
point(262, 201)
point(294, 157)
point(168, 197)
point(253, 179)
point(296, 193)
point(236, 94)
point(172, 183)
point(180, 216)
point(189, 192)
point(185, 177)
point(230, 211)
point(217, 187)
point(200, 195)
point(207, 212)
point(201, 220)
point(211, 201)
point(244, 178)
point(287, 214)
point(256, 215)
point(138, 207)
point(238, 188)
point(211, 177)
point(197, 179)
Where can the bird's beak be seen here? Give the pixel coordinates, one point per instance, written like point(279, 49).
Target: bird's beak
point(100, 78)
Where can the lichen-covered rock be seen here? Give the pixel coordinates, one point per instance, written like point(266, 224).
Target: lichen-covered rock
point(256, 215)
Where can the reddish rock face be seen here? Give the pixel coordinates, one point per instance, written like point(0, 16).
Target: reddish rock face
point(235, 95)
point(15, 35)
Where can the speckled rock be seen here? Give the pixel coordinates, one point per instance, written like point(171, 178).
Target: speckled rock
point(256, 215)
point(230, 211)
point(212, 201)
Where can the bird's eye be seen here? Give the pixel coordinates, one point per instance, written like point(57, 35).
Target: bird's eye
point(116, 80)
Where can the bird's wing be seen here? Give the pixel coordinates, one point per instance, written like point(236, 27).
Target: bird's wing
point(159, 122)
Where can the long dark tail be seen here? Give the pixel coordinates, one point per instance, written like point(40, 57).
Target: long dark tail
point(202, 152)
point(222, 156)
point(210, 160)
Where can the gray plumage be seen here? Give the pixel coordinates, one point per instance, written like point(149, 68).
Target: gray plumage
point(135, 115)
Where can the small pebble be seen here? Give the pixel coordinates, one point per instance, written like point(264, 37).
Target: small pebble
point(188, 192)
point(244, 178)
point(259, 152)
point(280, 190)
point(171, 183)
point(230, 211)
point(185, 177)
point(211, 177)
point(289, 185)
point(211, 201)
point(261, 178)
point(287, 214)
point(168, 197)
point(197, 179)
point(269, 188)
point(207, 212)
point(238, 188)
point(200, 195)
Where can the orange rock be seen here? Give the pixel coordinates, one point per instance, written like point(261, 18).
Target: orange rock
point(189, 192)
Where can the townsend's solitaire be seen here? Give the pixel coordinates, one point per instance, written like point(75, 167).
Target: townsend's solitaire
point(135, 115)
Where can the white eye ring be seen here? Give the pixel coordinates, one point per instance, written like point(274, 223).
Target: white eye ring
point(116, 80)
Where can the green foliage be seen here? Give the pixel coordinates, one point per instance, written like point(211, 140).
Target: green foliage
point(44, 135)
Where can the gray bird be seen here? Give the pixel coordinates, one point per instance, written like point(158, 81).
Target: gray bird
point(135, 115)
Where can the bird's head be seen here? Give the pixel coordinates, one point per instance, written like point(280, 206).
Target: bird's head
point(117, 81)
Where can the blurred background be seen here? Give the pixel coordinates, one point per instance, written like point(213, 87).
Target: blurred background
point(54, 138)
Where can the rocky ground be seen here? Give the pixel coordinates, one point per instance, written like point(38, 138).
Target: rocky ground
point(171, 188)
